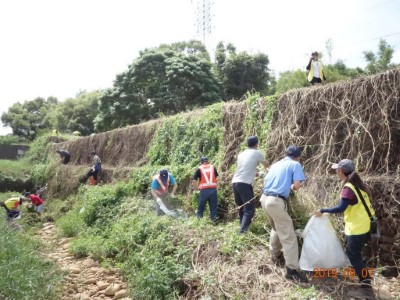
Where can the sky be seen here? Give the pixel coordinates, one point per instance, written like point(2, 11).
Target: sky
point(59, 48)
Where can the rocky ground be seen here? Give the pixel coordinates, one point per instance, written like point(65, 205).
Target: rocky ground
point(84, 278)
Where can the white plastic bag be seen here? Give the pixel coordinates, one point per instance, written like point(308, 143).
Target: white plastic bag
point(321, 247)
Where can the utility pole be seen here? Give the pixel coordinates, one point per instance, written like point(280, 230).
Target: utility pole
point(203, 21)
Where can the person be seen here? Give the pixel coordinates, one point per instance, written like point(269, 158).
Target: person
point(205, 180)
point(95, 168)
point(160, 186)
point(65, 156)
point(12, 212)
point(242, 180)
point(36, 201)
point(356, 219)
point(283, 177)
point(39, 191)
point(315, 70)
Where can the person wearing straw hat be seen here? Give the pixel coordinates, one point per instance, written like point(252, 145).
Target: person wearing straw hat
point(283, 177)
point(242, 180)
point(358, 213)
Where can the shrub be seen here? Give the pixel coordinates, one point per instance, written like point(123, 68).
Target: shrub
point(86, 245)
point(71, 224)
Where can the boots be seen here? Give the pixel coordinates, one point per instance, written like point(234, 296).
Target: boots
point(294, 275)
point(92, 181)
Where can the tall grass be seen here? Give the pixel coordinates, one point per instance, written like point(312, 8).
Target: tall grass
point(23, 273)
point(13, 168)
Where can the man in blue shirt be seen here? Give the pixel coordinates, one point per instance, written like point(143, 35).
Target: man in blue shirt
point(159, 189)
point(283, 176)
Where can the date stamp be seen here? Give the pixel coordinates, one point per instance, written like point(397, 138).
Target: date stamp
point(349, 273)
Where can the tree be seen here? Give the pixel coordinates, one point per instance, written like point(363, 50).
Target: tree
point(28, 118)
point(76, 114)
point(342, 69)
point(167, 79)
point(291, 80)
point(240, 73)
point(381, 61)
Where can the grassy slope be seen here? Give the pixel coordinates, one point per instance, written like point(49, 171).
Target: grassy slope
point(24, 274)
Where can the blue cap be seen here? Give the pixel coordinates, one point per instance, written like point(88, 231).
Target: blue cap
point(252, 141)
point(164, 173)
point(203, 159)
point(293, 151)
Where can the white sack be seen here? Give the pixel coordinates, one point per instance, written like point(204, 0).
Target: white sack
point(321, 246)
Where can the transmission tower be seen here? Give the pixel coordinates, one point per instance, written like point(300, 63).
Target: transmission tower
point(203, 21)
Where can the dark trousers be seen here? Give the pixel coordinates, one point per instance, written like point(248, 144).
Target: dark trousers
point(243, 193)
point(210, 196)
point(316, 80)
point(354, 247)
point(93, 173)
point(66, 159)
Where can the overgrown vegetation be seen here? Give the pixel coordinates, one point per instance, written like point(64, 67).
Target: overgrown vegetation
point(182, 139)
point(11, 139)
point(165, 258)
point(24, 274)
point(155, 253)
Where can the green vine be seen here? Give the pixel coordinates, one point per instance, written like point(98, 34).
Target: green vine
point(184, 138)
point(258, 121)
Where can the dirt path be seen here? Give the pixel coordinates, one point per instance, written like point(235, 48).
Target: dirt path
point(84, 278)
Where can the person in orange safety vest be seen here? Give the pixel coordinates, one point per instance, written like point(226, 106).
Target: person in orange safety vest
point(205, 180)
point(159, 188)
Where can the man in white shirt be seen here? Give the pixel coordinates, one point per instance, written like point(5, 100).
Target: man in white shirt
point(243, 178)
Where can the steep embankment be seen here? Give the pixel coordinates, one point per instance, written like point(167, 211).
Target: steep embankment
point(357, 119)
point(162, 257)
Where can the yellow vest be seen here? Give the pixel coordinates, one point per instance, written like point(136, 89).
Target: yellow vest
point(356, 220)
point(12, 203)
point(311, 73)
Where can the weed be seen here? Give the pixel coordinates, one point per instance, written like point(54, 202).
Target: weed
point(70, 225)
point(23, 274)
point(304, 293)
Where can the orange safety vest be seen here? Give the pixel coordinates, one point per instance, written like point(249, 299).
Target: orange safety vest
point(207, 179)
point(163, 188)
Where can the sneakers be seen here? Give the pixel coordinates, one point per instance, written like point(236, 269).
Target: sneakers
point(294, 275)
